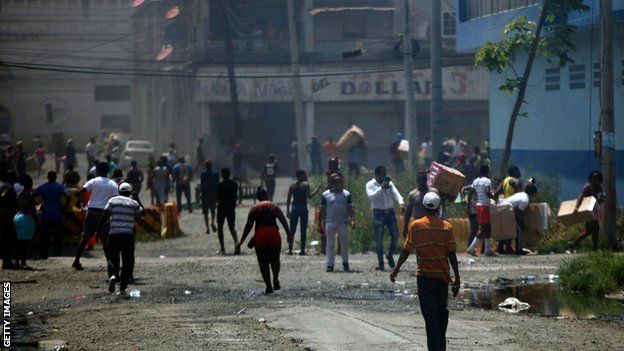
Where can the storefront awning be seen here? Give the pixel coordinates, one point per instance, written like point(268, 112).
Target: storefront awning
point(319, 10)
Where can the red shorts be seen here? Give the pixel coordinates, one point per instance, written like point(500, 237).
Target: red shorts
point(483, 214)
point(267, 237)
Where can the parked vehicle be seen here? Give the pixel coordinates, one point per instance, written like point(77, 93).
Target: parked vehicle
point(138, 150)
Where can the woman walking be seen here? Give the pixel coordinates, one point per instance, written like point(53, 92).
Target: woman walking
point(266, 240)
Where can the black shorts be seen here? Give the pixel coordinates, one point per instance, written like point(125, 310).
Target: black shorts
point(230, 215)
point(94, 215)
point(208, 204)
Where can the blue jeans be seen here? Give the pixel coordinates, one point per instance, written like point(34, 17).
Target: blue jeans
point(186, 189)
point(386, 218)
point(299, 214)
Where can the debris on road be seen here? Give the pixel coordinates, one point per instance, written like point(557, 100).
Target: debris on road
point(513, 305)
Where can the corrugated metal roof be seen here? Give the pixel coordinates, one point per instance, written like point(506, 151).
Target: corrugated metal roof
point(319, 10)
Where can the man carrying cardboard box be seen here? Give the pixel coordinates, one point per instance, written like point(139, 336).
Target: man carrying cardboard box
point(592, 188)
point(520, 201)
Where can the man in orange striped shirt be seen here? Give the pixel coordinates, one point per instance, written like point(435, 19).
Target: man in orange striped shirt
point(431, 238)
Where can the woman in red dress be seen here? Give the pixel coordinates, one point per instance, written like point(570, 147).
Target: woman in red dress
point(266, 240)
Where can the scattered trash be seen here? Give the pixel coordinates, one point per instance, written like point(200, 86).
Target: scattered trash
point(187, 292)
point(553, 278)
point(79, 297)
point(242, 310)
point(530, 279)
point(560, 318)
point(568, 252)
point(471, 261)
point(135, 293)
point(262, 320)
point(314, 243)
point(30, 313)
point(162, 256)
point(400, 283)
point(513, 305)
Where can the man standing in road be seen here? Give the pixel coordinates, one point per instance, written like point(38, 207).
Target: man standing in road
point(299, 193)
point(381, 193)
point(182, 175)
point(314, 148)
point(208, 187)
point(51, 217)
point(102, 189)
point(227, 196)
point(431, 238)
point(120, 210)
point(415, 208)
point(337, 213)
point(269, 174)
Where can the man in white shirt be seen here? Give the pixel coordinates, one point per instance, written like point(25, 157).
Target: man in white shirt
point(483, 188)
point(102, 189)
point(382, 194)
point(520, 201)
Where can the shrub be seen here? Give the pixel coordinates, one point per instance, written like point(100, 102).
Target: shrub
point(594, 273)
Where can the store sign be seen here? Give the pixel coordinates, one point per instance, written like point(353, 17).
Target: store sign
point(459, 83)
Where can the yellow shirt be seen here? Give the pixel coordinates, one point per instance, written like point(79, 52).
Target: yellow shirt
point(508, 190)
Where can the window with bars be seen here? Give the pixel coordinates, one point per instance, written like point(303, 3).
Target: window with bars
point(553, 79)
point(480, 8)
point(449, 27)
point(596, 75)
point(576, 76)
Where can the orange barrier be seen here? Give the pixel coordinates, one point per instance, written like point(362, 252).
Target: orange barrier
point(461, 231)
point(170, 226)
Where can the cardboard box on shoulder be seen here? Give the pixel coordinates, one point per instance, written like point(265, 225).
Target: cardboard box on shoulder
point(447, 180)
point(403, 149)
point(348, 140)
point(588, 211)
point(503, 220)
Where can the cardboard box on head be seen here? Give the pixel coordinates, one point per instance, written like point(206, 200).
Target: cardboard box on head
point(589, 210)
point(447, 180)
point(348, 140)
point(503, 221)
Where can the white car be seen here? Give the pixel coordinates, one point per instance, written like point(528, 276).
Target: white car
point(138, 150)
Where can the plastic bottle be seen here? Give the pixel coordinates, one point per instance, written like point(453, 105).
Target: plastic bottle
point(135, 293)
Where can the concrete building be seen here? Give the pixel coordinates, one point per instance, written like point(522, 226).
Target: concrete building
point(563, 103)
point(58, 35)
point(366, 90)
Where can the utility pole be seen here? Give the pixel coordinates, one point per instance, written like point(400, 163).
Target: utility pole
point(294, 63)
point(607, 124)
point(410, 113)
point(229, 58)
point(436, 77)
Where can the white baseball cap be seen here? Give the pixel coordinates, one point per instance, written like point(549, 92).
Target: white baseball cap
point(125, 187)
point(432, 201)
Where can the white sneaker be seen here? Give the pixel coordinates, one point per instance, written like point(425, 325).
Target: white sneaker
point(111, 284)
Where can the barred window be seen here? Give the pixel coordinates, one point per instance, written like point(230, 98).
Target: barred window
point(553, 79)
point(577, 76)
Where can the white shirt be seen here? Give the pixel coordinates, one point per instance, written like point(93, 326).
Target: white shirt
point(102, 189)
point(479, 186)
point(381, 199)
point(518, 200)
point(89, 149)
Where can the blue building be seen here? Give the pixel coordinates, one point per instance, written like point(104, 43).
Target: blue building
point(563, 103)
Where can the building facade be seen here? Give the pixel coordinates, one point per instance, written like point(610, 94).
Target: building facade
point(351, 73)
point(563, 103)
point(53, 37)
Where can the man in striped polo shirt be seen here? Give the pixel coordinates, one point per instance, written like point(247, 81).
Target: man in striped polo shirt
point(121, 210)
point(431, 238)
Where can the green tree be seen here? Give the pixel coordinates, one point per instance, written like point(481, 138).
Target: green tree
point(549, 38)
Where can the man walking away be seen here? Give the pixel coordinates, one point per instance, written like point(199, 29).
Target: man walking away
point(182, 175)
point(208, 186)
point(8, 209)
point(337, 212)
point(102, 189)
point(227, 191)
point(482, 187)
point(299, 193)
point(397, 159)
point(135, 177)
point(51, 217)
point(162, 181)
point(90, 151)
point(269, 174)
point(431, 238)
point(70, 153)
point(415, 208)
point(381, 193)
point(121, 210)
point(314, 148)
